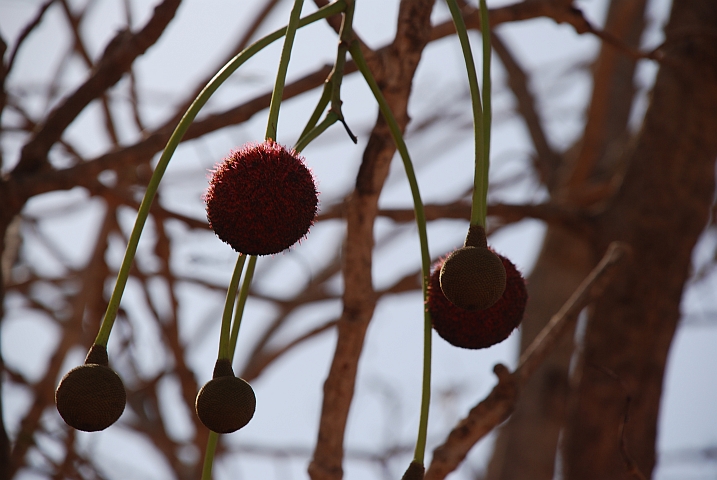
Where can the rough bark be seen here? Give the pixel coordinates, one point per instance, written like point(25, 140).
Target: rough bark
point(660, 210)
point(527, 444)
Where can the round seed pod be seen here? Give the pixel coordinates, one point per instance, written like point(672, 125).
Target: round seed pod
point(473, 277)
point(262, 199)
point(91, 397)
point(478, 328)
point(226, 403)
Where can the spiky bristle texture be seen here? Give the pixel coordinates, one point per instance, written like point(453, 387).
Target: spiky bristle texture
point(262, 199)
point(90, 397)
point(478, 328)
point(473, 278)
point(226, 403)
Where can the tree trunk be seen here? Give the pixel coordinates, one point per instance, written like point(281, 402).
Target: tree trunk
point(660, 210)
point(526, 446)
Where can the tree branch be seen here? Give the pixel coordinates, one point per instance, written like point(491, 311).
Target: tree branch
point(117, 59)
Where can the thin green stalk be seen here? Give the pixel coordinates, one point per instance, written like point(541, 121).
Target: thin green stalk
point(239, 312)
point(307, 138)
point(278, 92)
point(143, 212)
point(355, 50)
point(480, 180)
point(209, 455)
point(487, 113)
point(320, 107)
point(332, 89)
point(224, 352)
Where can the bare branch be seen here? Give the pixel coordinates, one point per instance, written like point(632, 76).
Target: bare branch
point(548, 159)
point(119, 55)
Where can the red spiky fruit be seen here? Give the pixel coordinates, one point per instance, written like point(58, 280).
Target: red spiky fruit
point(262, 199)
point(478, 328)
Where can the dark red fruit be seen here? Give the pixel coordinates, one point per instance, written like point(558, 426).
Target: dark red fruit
point(478, 328)
point(261, 199)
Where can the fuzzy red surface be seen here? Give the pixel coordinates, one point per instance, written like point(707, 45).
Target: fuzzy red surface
point(261, 199)
point(478, 328)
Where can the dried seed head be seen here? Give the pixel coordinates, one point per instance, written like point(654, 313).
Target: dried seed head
point(478, 328)
point(91, 397)
point(226, 403)
point(473, 278)
point(261, 199)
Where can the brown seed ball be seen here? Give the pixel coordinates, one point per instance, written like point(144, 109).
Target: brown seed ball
point(91, 397)
point(226, 403)
point(478, 328)
point(262, 199)
point(473, 278)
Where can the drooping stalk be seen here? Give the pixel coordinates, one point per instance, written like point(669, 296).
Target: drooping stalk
point(354, 48)
point(224, 351)
point(278, 91)
point(480, 179)
point(487, 110)
point(239, 312)
point(176, 137)
point(332, 88)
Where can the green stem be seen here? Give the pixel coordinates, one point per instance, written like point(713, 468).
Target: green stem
point(480, 180)
point(320, 106)
point(487, 114)
point(209, 455)
point(239, 312)
point(332, 88)
point(224, 352)
point(143, 212)
point(278, 92)
point(355, 50)
point(307, 138)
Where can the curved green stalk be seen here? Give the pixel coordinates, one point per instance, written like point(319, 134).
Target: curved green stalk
point(480, 180)
point(239, 312)
point(312, 134)
point(355, 50)
point(332, 89)
point(278, 92)
point(209, 455)
point(487, 114)
point(143, 212)
point(320, 107)
point(224, 352)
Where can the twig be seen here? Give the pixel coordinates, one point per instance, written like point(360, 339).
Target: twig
point(589, 290)
point(548, 160)
point(116, 60)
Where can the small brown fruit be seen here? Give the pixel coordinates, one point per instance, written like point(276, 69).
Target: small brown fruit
point(473, 277)
point(226, 403)
point(91, 397)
